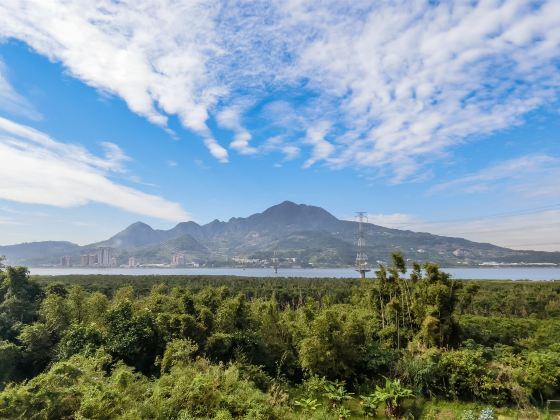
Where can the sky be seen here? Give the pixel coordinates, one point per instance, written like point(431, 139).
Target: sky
point(437, 116)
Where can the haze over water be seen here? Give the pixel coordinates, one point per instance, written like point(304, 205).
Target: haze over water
point(498, 273)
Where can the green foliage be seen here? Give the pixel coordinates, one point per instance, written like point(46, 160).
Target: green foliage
point(308, 405)
point(342, 412)
point(468, 374)
point(37, 343)
point(10, 357)
point(337, 342)
point(178, 352)
point(131, 336)
point(203, 389)
point(19, 299)
point(314, 386)
point(392, 395)
point(468, 415)
point(422, 371)
point(539, 373)
point(203, 347)
point(336, 394)
point(79, 339)
point(370, 404)
point(433, 305)
point(83, 387)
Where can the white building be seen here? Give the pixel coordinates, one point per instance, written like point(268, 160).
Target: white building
point(105, 256)
point(133, 262)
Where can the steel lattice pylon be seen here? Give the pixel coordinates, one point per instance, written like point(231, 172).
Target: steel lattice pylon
point(361, 265)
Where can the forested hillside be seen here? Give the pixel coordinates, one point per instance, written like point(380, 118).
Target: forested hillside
point(178, 347)
point(305, 235)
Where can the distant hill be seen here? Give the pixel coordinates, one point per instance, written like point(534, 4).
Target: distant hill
point(136, 235)
point(38, 253)
point(308, 234)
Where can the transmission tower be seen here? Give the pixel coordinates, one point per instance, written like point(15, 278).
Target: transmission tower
point(275, 262)
point(362, 265)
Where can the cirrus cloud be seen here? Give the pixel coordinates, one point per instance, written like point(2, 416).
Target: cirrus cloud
point(399, 83)
point(39, 170)
point(11, 101)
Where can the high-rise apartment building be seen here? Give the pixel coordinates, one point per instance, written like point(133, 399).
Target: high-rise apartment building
point(66, 261)
point(105, 256)
point(178, 260)
point(133, 262)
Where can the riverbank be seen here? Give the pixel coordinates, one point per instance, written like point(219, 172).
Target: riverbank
point(475, 273)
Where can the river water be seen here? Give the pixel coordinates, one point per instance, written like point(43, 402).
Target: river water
point(479, 273)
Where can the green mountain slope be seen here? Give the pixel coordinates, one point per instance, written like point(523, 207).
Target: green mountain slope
point(306, 233)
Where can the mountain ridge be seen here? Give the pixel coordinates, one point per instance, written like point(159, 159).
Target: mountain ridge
point(299, 232)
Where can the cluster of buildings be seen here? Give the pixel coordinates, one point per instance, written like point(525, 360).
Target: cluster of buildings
point(133, 262)
point(246, 260)
point(180, 260)
point(102, 257)
point(262, 262)
point(66, 261)
point(177, 260)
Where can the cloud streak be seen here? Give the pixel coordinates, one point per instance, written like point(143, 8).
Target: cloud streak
point(536, 229)
point(152, 54)
point(531, 176)
point(399, 83)
point(39, 170)
point(11, 101)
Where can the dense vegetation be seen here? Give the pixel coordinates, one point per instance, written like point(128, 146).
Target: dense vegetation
point(201, 347)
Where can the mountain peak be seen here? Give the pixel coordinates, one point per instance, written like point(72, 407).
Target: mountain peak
point(138, 225)
point(137, 234)
point(291, 206)
point(288, 203)
point(285, 206)
point(189, 223)
point(301, 214)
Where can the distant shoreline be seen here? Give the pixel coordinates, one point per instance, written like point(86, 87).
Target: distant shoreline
point(475, 273)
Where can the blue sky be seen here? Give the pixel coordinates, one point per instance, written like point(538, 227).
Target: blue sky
point(431, 117)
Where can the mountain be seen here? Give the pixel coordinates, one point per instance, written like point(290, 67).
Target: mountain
point(136, 235)
point(38, 253)
point(163, 252)
point(298, 232)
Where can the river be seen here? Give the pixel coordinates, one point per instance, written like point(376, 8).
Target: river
point(480, 273)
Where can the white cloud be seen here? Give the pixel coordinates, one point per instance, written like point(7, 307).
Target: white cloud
point(528, 176)
point(37, 169)
point(11, 101)
point(537, 228)
point(153, 54)
point(321, 148)
point(115, 155)
point(417, 78)
point(531, 179)
point(216, 150)
point(230, 117)
point(401, 82)
point(279, 144)
point(393, 220)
